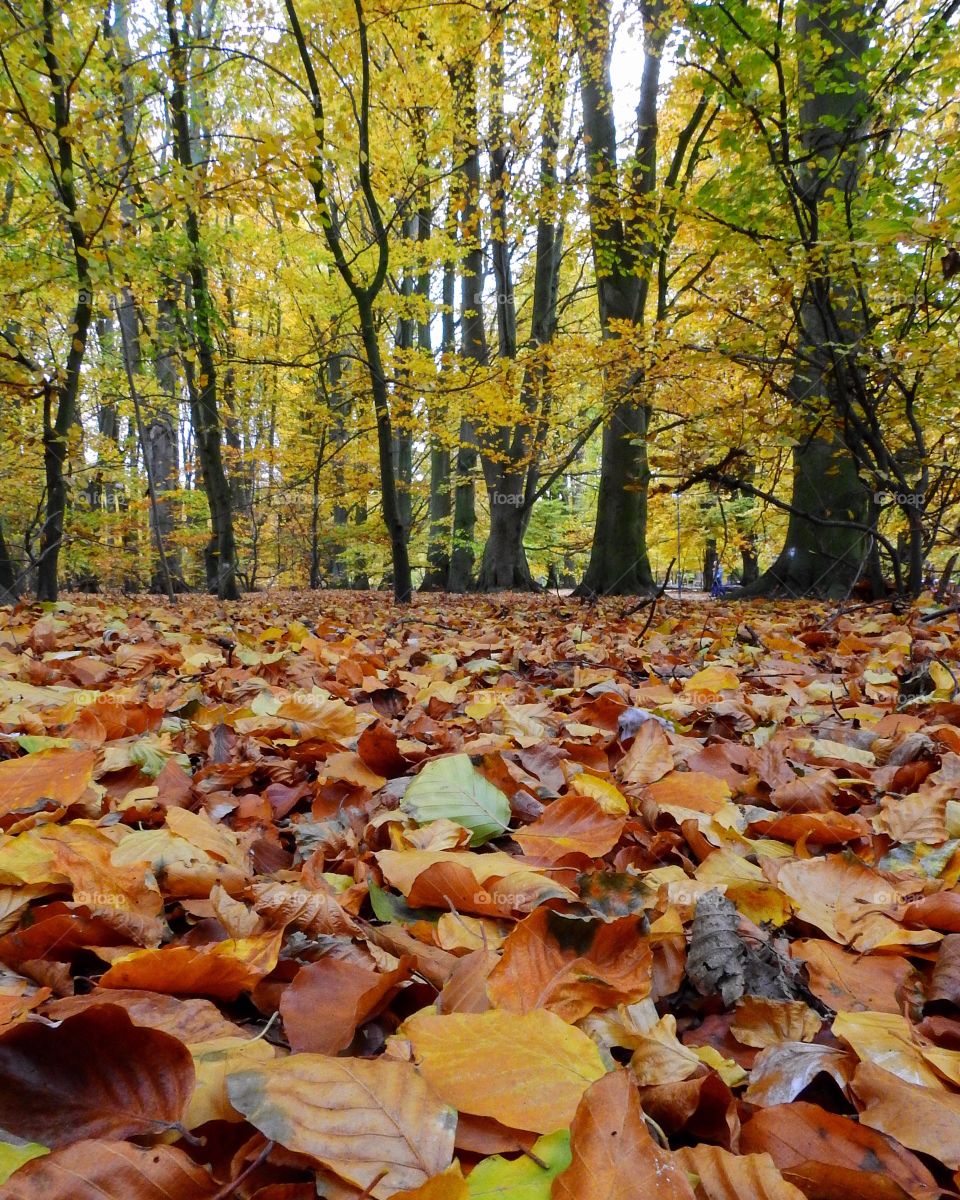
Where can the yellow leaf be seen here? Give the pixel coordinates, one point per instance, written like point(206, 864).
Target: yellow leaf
point(526, 1070)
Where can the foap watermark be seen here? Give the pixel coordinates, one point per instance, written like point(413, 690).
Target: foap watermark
point(900, 499)
point(508, 498)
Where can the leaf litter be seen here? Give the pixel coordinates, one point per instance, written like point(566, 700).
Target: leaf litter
point(512, 897)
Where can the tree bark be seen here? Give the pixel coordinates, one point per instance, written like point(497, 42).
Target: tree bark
point(822, 559)
point(619, 563)
point(221, 552)
point(63, 395)
point(473, 338)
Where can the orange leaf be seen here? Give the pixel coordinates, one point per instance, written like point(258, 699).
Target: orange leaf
point(650, 756)
point(613, 1152)
point(571, 825)
point(110, 1170)
point(571, 966)
point(61, 775)
point(221, 969)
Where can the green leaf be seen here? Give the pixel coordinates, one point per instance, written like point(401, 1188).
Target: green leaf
point(393, 909)
point(450, 787)
point(13, 1157)
point(32, 742)
point(522, 1178)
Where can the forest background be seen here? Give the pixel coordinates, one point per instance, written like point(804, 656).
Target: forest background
point(477, 294)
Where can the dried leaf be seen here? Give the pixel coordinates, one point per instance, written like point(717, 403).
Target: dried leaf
point(94, 1075)
point(359, 1117)
point(527, 1070)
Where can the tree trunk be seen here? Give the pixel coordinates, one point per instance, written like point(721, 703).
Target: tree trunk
point(473, 338)
point(161, 446)
point(56, 425)
point(819, 558)
point(504, 565)
point(440, 509)
point(221, 552)
point(623, 259)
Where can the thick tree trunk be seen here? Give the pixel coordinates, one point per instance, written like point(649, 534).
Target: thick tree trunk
point(623, 259)
point(819, 558)
point(504, 565)
point(619, 564)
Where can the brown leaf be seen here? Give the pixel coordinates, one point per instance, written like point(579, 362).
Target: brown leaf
point(917, 1117)
point(613, 1152)
point(466, 989)
point(312, 912)
point(372, 1121)
point(944, 984)
point(110, 1170)
point(725, 1176)
point(95, 1075)
point(188, 1020)
point(330, 998)
point(571, 825)
point(571, 966)
point(940, 911)
point(845, 980)
point(798, 1134)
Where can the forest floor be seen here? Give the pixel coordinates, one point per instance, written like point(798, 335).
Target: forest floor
point(313, 895)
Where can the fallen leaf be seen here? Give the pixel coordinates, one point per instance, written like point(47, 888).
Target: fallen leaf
point(802, 1137)
point(725, 1176)
point(359, 1117)
point(570, 825)
point(94, 1075)
point(328, 999)
point(612, 1152)
point(111, 1170)
point(221, 969)
point(528, 1070)
point(917, 1117)
point(452, 788)
point(571, 966)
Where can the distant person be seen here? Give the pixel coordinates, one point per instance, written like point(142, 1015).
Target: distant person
point(716, 589)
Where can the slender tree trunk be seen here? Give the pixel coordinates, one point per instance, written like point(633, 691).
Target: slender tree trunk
point(402, 411)
point(221, 553)
point(473, 338)
point(510, 455)
point(439, 504)
point(161, 443)
point(60, 399)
